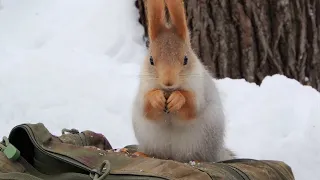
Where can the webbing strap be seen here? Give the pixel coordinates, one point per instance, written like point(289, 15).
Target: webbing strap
point(25, 176)
point(17, 176)
point(33, 174)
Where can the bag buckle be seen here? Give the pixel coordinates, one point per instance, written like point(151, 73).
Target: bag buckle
point(104, 169)
point(9, 150)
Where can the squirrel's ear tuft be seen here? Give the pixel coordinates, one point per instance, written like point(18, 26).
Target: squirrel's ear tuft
point(178, 17)
point(155, 17)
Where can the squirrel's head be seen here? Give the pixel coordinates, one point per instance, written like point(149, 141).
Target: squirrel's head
point(170, 55)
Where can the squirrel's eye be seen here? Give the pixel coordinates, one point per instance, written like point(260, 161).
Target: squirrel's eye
point(151, 61)
point(185, 60)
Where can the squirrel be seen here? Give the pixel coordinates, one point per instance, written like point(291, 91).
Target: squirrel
point(177, 113)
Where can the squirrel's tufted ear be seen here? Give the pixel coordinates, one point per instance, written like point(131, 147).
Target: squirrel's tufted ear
point(155, 17)
point(178, 17)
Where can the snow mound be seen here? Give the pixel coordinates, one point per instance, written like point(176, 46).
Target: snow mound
point(278, 120)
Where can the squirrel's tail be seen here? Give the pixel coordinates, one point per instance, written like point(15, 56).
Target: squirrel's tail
point(226, 154)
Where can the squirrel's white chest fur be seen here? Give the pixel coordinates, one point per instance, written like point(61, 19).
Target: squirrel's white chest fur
point(171, 138)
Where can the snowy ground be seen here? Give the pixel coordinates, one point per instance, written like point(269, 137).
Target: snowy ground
point(74, 64)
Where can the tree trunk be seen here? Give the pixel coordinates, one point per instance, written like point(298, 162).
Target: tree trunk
point(252, 39)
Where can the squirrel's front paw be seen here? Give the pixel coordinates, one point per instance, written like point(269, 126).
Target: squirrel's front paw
point(175, 101)
point(184, 102)
point(155, 103)
point(156, 99)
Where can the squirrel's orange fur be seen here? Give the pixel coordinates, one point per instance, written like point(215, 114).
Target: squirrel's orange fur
point(156, 17)
point(169, 64)
point(177, 15)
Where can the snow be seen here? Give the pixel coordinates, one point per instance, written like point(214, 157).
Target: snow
point(75, 64)
point(278, 120)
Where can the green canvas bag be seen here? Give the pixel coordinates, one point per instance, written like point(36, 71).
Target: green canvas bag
point(31, 152)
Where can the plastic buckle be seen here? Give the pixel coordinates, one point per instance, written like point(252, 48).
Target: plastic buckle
point(9, 150)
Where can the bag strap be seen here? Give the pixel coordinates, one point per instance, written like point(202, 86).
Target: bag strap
point(13, 154)
point(31, 173)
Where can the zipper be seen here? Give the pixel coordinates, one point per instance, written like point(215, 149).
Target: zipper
point(275, 169)
point(240, 160)
point(230, 169)
point(243, 175)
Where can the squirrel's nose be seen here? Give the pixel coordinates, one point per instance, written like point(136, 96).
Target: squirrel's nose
point(168, 84)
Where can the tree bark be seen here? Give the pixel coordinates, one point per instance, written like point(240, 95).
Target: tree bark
point(252, 39)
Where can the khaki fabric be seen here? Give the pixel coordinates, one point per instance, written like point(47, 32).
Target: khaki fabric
point(88, 155)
